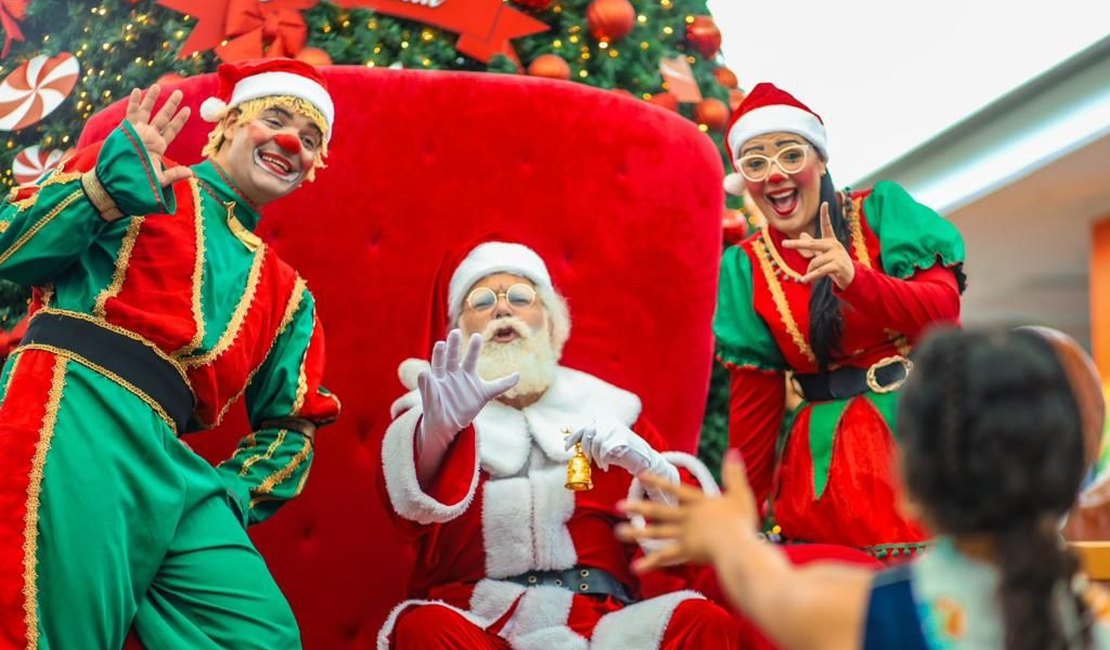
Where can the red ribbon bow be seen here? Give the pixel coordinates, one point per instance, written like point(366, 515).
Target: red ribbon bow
point(252, 28)
point(10, 12)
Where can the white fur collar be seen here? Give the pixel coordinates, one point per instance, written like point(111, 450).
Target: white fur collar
point(574, 400)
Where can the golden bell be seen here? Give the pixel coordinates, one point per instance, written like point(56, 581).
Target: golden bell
point(578, 471)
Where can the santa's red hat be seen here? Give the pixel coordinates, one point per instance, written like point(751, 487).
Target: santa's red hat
point(247, 80)
point(768, 109)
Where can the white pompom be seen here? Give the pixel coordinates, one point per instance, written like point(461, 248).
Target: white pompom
point(211, 109)
point(409, 369)
point(734, 184)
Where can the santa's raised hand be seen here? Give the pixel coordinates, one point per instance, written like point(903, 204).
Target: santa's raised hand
point(157, 131)
point(451, 394)
point(827, 256)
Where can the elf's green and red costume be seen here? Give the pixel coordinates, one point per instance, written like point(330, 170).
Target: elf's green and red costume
point(144, 329)
point(831, 479)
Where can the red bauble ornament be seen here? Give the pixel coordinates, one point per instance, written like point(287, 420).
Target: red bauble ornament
point(726, 77)
point(610, 20)
point(535, 5)
point(713, 113)
point(551, 66)
point(314, 56)
point(704, 36)
point(733, 225)
point(666, 100)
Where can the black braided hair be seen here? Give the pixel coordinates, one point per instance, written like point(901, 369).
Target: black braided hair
point(993, 445)
point(826, 322)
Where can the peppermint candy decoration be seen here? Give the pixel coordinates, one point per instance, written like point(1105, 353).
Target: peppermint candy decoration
point(33, 163)
point(33, 90)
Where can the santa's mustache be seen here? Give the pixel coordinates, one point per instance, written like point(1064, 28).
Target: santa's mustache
point(500, 325)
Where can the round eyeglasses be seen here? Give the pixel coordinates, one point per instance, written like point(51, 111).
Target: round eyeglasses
point(518, 296)
point(756, 167)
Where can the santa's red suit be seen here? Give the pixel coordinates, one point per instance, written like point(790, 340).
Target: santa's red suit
point(498, 510)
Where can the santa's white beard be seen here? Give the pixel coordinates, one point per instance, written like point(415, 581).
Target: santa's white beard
point(531, 354)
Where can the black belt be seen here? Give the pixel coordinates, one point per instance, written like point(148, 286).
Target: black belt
point(126, 357)
point(579, 579)
point(882, 377)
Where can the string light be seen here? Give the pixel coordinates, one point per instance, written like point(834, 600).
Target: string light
point(644, 45)
point(603, 45)
point(583, 73)
point(689, 20)
point(668, 30)
point(642, 19)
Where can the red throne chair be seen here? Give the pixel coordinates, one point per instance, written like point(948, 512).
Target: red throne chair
point(623, 199)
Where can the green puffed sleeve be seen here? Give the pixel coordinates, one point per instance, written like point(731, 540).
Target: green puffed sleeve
point(911, 236)
point(743, 338)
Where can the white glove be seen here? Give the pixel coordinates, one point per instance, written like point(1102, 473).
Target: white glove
point(612, 443)
point(452, 394)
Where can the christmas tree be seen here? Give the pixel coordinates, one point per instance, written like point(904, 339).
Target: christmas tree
point(63, 60)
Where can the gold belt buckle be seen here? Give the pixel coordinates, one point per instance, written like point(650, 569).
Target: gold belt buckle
point(873, 383)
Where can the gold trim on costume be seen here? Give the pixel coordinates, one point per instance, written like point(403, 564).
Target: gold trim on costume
point(8, 383)
point(99, 197)
point(290, 310)
point(123, 259)
point(73, 356)
point(129, 334)
point(302, 376)
point(267, 486)
point(859, 242)
point(270, 450)
point(769, 246)
point(231, 332)
point(780, 301)
point(34, 497)
point(252, 241)
point(39, 225)
point(198, 273)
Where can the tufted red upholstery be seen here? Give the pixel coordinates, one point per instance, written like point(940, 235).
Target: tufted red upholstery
point(622, 198)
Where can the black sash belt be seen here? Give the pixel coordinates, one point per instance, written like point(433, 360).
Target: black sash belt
point(883, 377)
point(580, 580)
point(126, 357)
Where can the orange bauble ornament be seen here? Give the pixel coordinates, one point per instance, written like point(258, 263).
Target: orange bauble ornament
point(314, 56)
point(713, 113)
point(551, 66)
point(666, 100)
point(703, 36)
point(735, 96)
point(610, 20)
point(726, 77)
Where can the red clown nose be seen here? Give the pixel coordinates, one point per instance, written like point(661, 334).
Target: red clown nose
point(290, 143)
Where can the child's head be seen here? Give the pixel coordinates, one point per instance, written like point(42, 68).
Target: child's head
point(992, 428)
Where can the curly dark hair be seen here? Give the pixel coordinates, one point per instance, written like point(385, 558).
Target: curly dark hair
point(992, 444)
point(826, 319)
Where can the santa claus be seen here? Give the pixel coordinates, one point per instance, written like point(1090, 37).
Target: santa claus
point(475, 466)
